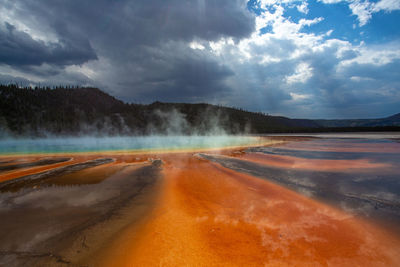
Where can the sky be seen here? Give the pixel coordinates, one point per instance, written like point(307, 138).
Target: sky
point(301, 59)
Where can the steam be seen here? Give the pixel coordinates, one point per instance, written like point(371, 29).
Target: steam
point(174, 122)
point(122, 143)
point(160, 122)
point(166, 129)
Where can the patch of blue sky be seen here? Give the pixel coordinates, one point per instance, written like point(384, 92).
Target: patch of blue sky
point(266, 29)
point(252, 5)
point(293, 14)
point(382, 28)
point(374, 1)
point(337, 17)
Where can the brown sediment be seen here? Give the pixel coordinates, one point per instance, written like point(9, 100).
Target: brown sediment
point(208, 215)
point(93, 175)
point(32, 170)
point(41, 178)
point(131, 211)
point(280, 161)
point(5, 161)
point(66, 222)
point(131, 218)
point(75, 159)
point(41, 162)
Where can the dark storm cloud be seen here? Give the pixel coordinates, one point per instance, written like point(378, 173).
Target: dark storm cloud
point(18, 48)
point(112, 25)
point(149, 21)
point(171, 73)
point(7, 79)
point(190, 51)
point(189, 80)
point(144, 43)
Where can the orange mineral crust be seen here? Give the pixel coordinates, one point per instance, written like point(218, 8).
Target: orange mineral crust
point(280, 161)
point(32, 170)
point(211, 216)
point(74, 159)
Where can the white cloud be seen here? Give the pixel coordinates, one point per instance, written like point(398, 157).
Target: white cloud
point(299, 97)
point(84, 68)
point(387, 5)
point(217, 47)
point(266, 3)
point(303, 7)
point(196, 45)
point(286, 67)
point(281, 26)
point(328, 33)
point(360, 79)
point(302, 73)
point(308, 22)
point(364, 9)
point(377, 55)
point(267, 59)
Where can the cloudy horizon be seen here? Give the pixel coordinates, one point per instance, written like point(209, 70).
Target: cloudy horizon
point(301, 59)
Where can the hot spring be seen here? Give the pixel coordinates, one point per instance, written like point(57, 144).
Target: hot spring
point(144, 143)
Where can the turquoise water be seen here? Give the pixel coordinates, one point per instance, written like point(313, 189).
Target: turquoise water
point(96, 144)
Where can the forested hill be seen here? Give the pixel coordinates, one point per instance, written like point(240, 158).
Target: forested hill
point(383, 122)
point(75, 111)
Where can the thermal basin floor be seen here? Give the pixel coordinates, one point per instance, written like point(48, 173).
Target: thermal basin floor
point(235, 207)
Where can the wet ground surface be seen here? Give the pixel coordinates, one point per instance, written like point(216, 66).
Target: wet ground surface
point(366, 181)
point(308, 201)
point(44, 216)
point(42, 162)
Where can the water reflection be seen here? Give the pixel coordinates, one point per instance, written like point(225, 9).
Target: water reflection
point(62, 215)
point(41, 215)
point(369, 184)
point(37, 179)
point(8, 167)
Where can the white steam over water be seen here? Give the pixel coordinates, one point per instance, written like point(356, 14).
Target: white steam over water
point(95, 144)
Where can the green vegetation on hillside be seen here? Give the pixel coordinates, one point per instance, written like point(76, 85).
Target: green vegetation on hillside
point(89, 111)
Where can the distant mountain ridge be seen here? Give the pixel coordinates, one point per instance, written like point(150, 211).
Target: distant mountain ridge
point(393, 120)
point(74, 111)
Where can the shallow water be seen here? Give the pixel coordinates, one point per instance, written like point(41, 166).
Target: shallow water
point(43, 214)
point(360, 135)
point(307, 201)
point(98, 144)
point(361, 176)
